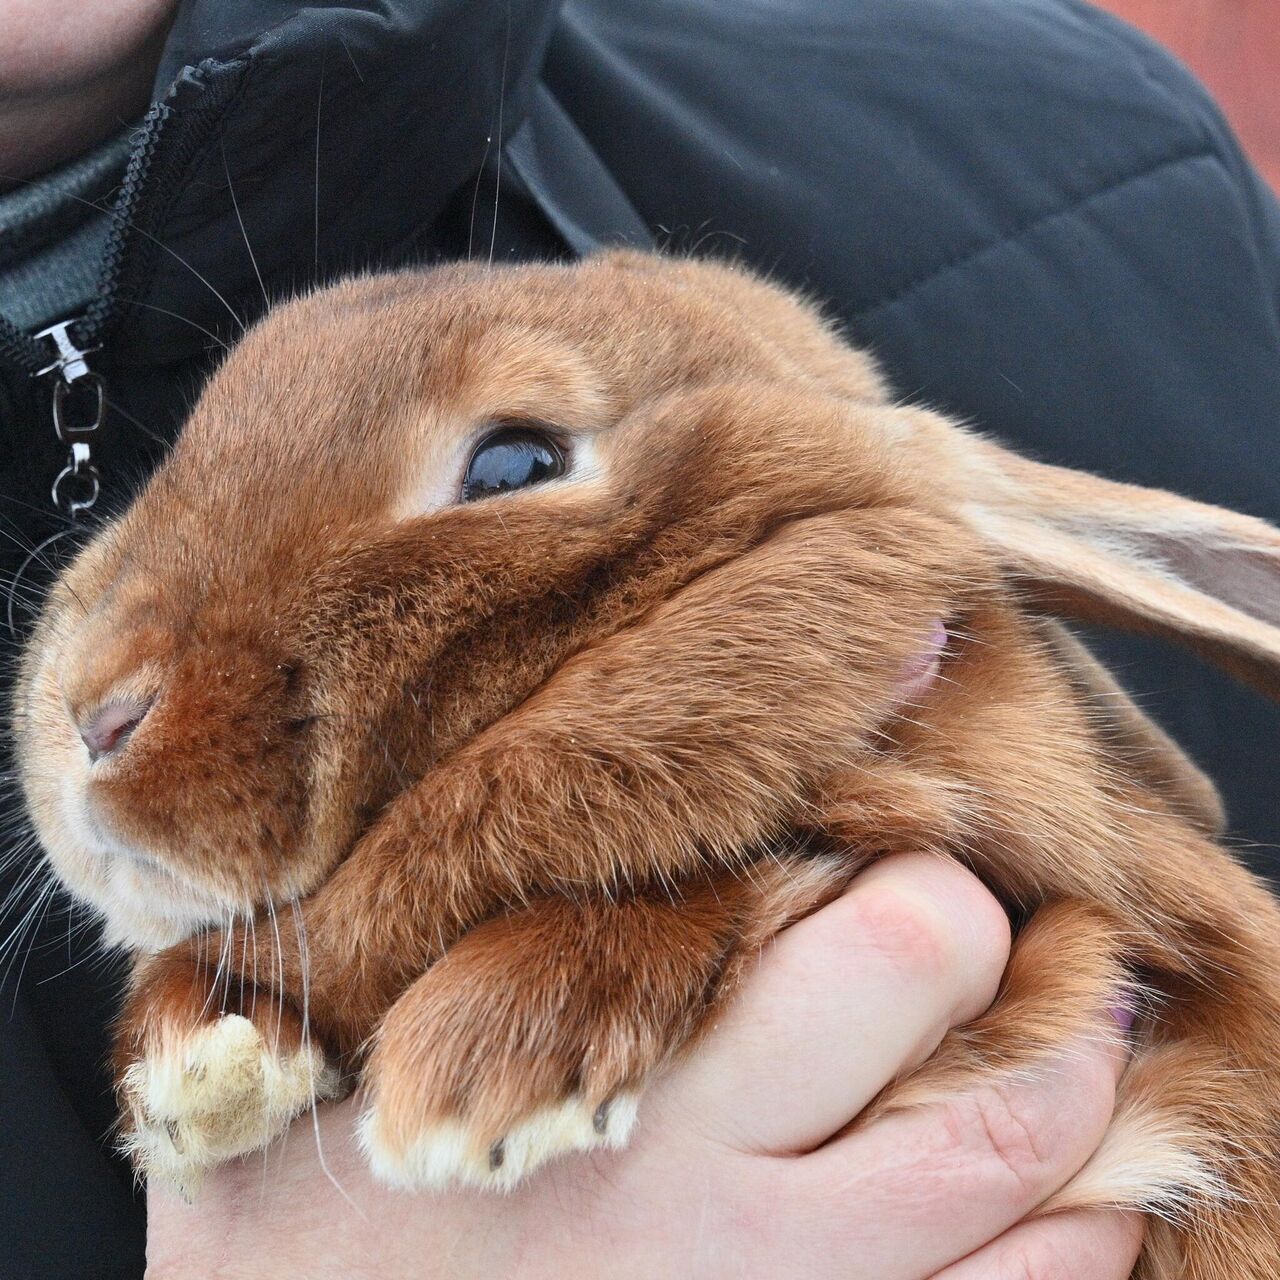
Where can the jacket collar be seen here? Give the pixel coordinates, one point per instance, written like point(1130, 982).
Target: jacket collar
point(359, 121)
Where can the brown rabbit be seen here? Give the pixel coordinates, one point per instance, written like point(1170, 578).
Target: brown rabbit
point(488, 796)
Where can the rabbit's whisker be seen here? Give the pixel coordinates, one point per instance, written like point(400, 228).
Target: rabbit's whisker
point(304, 964)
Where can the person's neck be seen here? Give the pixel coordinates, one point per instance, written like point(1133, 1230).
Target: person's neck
point(72, 72)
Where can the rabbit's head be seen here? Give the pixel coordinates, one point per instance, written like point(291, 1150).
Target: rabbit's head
point(404, 501)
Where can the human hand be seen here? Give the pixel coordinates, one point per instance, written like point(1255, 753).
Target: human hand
point(734, 1170)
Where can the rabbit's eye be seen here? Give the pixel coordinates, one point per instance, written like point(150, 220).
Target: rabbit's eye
point(512, 458)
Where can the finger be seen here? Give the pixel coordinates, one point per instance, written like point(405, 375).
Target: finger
point(935, 1183)
point(1098, 1244)
point(840, 1004)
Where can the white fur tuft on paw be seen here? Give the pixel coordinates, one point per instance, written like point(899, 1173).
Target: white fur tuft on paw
point(449, 1154)
point(218, 1093)
point(1152, 1160)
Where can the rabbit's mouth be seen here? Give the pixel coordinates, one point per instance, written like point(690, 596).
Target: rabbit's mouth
point(144, 903)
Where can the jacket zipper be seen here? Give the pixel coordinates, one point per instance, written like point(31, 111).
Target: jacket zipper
point(160, 154)
point(79, 406)
point(77, 392)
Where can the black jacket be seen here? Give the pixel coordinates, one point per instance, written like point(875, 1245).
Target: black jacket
point(1037, 219)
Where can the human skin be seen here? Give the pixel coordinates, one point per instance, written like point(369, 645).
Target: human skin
point(735, 1170)
point(72, 72)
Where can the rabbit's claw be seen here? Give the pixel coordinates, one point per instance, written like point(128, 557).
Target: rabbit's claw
point(453, 1151)
point(213, 1092)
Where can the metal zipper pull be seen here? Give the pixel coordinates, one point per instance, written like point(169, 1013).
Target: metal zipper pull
point(79, 406)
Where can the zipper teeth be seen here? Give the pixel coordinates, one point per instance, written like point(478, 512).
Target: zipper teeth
point(158, 161)
point(125, 218)
point(20, 349)
point(169, 139)
point(24, 352)
point(150, 184)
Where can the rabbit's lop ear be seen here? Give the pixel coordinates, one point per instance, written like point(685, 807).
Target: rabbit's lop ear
point(1133, 557)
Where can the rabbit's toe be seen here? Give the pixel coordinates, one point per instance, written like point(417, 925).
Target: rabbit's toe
point(219, 1091)
point(454, 1151)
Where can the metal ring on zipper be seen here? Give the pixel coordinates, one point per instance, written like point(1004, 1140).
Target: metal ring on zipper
point(69, 399)
point(79, 407)
point(78, 475)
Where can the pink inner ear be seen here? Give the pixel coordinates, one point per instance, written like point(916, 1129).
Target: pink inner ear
point(1244, 577)
point(924, 668)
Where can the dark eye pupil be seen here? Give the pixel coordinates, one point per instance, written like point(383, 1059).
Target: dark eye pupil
point(513, 458)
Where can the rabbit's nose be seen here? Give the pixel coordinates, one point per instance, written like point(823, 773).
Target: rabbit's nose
point(110, 727)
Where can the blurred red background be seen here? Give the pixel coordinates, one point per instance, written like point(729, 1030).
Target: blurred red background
point(1234, 47)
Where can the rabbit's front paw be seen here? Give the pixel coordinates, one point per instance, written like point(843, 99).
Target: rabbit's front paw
point(493, 1064)
point(535, 1034)
point(197, 1088)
